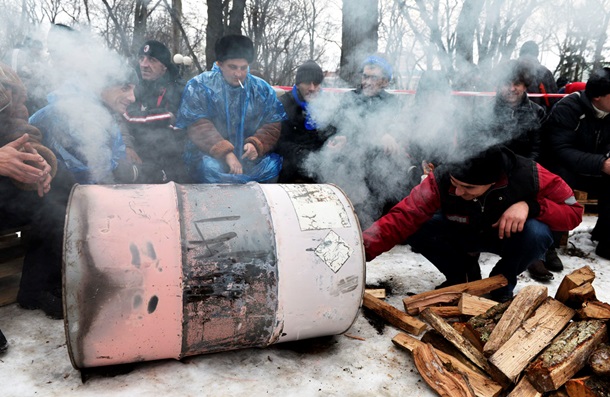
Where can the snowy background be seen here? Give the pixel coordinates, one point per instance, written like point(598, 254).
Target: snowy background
point(37, 362)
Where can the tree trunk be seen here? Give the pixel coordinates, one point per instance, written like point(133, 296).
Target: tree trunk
point(359, 37)
point(140, 17)
point(214, 31)
point(176, 21)
point(236, 17)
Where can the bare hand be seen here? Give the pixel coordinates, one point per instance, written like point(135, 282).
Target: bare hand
point(606, 166)
point(512, 220)
point(389, 144)
point(337, 142)
point(13, 157)
point(234, 164)
point(132, 156)
point(44, 183)
point(250, 152)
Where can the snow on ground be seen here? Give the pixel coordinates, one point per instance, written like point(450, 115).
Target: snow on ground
point(37, 361)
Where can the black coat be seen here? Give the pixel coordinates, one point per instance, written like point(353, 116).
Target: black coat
point(579, 139)
point(519, 127)
point(296, 142)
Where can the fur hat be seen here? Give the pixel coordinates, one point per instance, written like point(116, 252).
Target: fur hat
point(234, 46)
point(482, 169)
point(309, 72)
point(159, 51)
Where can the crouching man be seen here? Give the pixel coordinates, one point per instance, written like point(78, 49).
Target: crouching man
point(494, 202)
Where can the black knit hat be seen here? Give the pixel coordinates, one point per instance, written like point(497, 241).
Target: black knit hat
point(309, 72)
point(483, 169)
point(234, 46)
point(159, 51)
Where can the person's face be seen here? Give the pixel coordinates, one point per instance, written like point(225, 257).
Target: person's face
point(118, 97)
point(512, 93)
point(373, 80)
point(467, 191)
point(151, 68)
point(602, 103)
point(308, 90)
point(234, 71)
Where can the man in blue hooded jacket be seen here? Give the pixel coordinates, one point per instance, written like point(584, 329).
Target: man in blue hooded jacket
point(233, 119)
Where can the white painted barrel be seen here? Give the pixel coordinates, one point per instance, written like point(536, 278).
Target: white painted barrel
point(168, 271)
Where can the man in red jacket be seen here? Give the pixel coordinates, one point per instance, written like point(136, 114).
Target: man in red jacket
point(494, 202)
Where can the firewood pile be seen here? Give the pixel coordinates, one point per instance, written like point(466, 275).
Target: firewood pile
point(533, 345)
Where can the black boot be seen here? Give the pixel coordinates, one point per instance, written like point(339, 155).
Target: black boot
point(552, 261)
point(538, 272)
point(3, 342)
point(603, 250)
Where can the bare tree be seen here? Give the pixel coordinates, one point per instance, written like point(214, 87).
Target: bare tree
point(224, 17)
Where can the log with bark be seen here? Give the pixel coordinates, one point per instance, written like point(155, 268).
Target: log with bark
point(481, 384)
point(394, 316)
point(483, 325)
point(599, 360)
point(446, 381)
point(414, 304)
point(566, 355)
point(588, 386)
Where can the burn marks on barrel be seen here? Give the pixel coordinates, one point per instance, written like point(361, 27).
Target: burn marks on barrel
point(230, 281)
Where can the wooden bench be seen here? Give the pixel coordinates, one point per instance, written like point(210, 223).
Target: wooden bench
point(12, 250)
point(590, 204)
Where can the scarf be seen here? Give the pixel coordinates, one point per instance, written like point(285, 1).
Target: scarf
point(310, 124)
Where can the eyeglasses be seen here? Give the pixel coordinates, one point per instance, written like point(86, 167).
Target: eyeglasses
point(371, 77)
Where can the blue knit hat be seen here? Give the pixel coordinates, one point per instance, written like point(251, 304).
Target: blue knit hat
point(374, 60)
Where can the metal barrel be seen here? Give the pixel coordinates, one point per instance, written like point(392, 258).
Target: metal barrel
point(168, 271)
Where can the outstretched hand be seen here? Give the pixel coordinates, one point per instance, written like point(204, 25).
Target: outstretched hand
point(234, 164)
point(512, 220)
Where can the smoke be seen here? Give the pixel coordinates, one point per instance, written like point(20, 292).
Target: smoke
point(79, 69)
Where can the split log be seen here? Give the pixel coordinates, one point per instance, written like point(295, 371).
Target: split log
point(599, 360)
point(594, 310)
point(481, 384)
point(414, 304)
point(472, 305)
point(394, 316)
point(522, 306)
point(463, 345)
point(588, 386)
point(566, 355)
point(439, 342)
point(445, 381)
point(557, 393)
point(531, 337)
point(378, 293)
point(469, 333)
point(575, 279)
point(524, 389)
point(577, 296)
point(446, 311)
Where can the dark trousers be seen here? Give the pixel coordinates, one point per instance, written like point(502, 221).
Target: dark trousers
point(45, 217)
point(450, 248)
point(595, 185)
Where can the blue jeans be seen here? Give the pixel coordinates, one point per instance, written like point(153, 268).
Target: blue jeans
point(449, 248)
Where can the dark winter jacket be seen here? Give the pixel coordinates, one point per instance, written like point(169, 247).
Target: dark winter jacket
point(579, 139)
point(543, 82)
point(550, 200)
point(150, 122)
point(519, 128)
point(297, 142)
